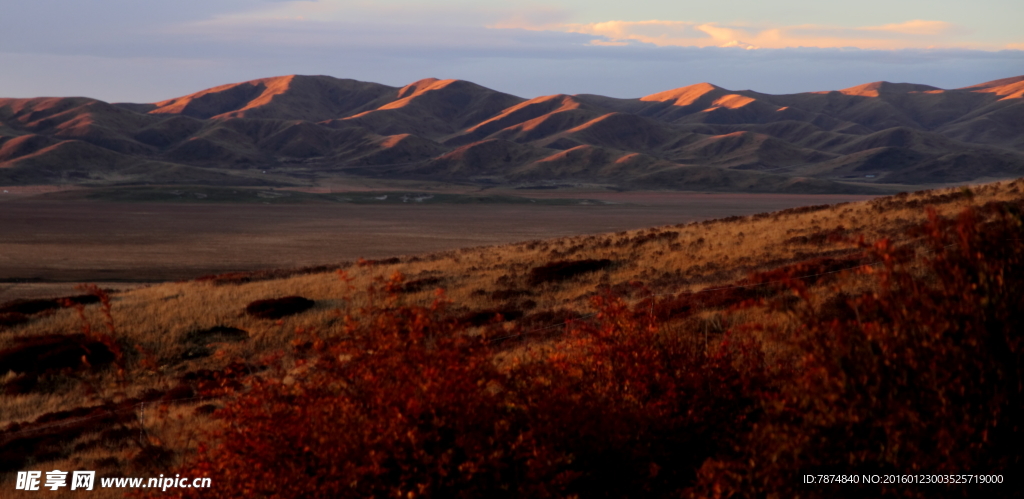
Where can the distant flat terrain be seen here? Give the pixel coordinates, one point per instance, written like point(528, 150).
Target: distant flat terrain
point(46, 245)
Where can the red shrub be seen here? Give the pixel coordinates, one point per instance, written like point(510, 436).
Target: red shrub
point(925, 377)
point(409, 406)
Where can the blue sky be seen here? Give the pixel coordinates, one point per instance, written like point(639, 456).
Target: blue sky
point(147, 50)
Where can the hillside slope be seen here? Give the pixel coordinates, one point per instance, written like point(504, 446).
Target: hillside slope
point(154, 366)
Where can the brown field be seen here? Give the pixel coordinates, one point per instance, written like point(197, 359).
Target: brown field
point(49, 245)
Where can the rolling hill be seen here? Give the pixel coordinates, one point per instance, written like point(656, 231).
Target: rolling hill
point(696, 137)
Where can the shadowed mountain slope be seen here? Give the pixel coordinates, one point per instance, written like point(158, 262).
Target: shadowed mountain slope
point(699, 136)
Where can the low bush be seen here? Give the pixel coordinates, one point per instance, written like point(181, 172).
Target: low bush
point(30, 307)
point(421, 284)
point(18, 312)
point(277, 308)
point(54, 352)
point(565, 269)
point(510, 294)
point(12, 319)
point(483, 317)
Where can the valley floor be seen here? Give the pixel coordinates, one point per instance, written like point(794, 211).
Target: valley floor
point(49, 245)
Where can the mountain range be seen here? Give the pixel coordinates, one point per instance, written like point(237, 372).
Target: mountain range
point(704, 137)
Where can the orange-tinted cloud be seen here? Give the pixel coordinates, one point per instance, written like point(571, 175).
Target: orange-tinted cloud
point(913, 34)
point(915, 27)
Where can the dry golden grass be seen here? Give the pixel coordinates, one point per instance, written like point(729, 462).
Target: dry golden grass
point(154, 323)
